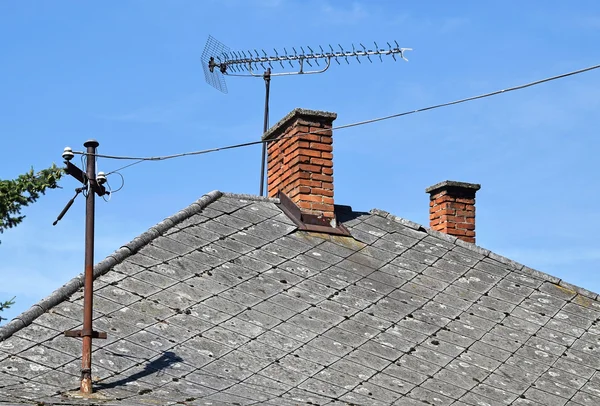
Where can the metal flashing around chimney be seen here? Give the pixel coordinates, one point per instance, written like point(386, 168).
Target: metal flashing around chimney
point(310, 222)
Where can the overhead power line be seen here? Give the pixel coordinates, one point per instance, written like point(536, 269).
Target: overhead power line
point(355, 124)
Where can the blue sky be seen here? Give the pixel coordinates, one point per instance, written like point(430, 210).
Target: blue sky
point(128, 74)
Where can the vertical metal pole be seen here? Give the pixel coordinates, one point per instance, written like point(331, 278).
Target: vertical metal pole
point(88, 293)
point(267, 77)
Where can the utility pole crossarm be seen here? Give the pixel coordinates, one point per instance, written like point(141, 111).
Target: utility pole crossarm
point(82, 177)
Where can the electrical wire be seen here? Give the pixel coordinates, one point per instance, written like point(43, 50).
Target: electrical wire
point(84, 161)
point(108, 193)
point(359, 123)
point(122, 182)
point(123, 167)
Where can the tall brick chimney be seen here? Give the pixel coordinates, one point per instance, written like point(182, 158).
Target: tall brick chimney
point(302, 166)
point(452, 208)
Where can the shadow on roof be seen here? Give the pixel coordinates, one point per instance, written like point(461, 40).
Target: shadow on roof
point(163, 362)
point(345, 213)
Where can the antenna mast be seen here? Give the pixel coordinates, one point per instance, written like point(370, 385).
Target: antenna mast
point(218, 60)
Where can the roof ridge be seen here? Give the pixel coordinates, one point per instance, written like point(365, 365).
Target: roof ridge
point(250, 197)
point(487, 253)
point(102, 267)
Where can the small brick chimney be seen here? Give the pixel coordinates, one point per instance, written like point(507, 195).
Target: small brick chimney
point(302, 166)
point(452, 208)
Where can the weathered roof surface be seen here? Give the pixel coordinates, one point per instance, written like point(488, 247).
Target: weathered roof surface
point(227, 303)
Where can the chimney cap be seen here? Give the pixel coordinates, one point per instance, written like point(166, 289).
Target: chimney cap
point(296, 114)
point(452, 184)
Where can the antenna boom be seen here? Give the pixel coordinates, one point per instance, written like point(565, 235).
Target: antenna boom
point(218, 60)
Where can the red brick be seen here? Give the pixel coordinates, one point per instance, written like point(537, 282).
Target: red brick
point(324, 178)
point(295, 145)
point(323, 134)
point(322, 207)
point(300, 159)
point(445, 218)
point(310, 168)
point(321, 147)
point(310, 183)
point(301, 129)
point(311, 137)
point(304, 205)
point(292, 193)
point(311, 198)
point(457, 206)
point(444, 198)
point(440, 207)
point(445, 212)
point(439, 227)
point(310, 152)
point(322, 162)
point(322, 192)
point(465, 201)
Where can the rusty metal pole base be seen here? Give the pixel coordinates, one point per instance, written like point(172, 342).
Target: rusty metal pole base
point(78, 394)
point(86, 384)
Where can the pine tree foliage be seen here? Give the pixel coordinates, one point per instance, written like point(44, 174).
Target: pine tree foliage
point(22, 191)
point(6, 305)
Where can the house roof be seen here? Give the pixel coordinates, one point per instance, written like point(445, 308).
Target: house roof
point(226, 302)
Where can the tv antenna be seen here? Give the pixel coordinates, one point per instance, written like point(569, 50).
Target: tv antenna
point(219, 61)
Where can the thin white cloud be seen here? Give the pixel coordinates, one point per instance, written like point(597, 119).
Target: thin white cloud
point(269, 3)
point(452, 24)
point(166, 113)
point(344, 14)
point(255, 3)
point(589, 22)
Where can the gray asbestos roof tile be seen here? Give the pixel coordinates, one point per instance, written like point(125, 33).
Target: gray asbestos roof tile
point(227, 302)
